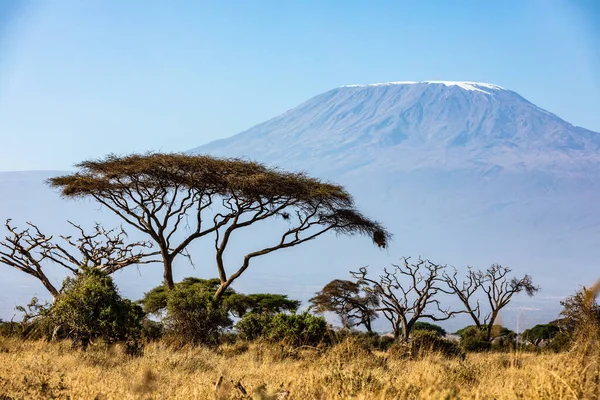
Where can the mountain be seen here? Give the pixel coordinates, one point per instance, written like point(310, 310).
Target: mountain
point(464, 173)
point(410, 125)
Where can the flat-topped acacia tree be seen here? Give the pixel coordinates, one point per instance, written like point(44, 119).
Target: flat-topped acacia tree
point(158, 193)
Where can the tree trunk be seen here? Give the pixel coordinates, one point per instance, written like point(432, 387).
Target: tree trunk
point(168, 273)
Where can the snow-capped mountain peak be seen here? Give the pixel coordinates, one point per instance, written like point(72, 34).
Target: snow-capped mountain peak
point(415, 125)
point(476, 86)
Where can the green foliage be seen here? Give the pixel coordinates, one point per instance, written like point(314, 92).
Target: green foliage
point(426, 326)
point(498, 331)
point(238, 304)
point(253, 326)
point(155, 301)
point(292, 329)
point(152, 330)
point(561, 342)
point(473, 339)
point(506, 342)
point(194, 316)
point(8, 329)
point(271, 303)
point(90, 308)
point(539, 333)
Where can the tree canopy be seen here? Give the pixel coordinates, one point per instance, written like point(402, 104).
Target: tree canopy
point(349, 301)
point(156, 193)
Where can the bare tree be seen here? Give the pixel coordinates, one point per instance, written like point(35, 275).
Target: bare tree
point(407, 293)
point(349, 301)
point(497, 291)
point(157, 193)
point(29, 250)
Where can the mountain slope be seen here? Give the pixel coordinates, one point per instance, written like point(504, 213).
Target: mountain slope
point(452, 125)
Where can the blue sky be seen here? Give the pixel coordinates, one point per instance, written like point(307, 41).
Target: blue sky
point(83, 79)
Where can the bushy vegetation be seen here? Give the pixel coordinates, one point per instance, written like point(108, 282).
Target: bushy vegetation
point(291, 329)
point(426, 326)
point(89, 308)
point(195, 317)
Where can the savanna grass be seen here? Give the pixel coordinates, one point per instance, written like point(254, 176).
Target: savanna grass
point(40, 370)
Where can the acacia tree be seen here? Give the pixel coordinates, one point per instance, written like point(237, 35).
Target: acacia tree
point(407, 293)
point(498, 289)
point(155, 193)
point(29, 250)
point(349, 301)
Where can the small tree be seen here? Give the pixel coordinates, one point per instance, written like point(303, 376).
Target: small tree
point(498, 289)
point(292, 329)
point(349, 301)
point(192, 314)
point(407, 293)
point(90, 307)
point(29, 250)
point(155, 193)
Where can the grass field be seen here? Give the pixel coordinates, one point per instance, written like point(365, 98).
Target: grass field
point(39, 370)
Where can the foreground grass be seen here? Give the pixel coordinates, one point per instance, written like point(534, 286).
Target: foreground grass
point(38, 370)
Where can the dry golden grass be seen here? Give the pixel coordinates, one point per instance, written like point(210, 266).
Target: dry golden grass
point(39, 370)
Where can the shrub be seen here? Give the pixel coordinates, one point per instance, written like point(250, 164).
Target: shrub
point(505, 343)
point(195, 317)
point(292, 329)
point(473, 339)
point(424, 342)
point(152, 330)
point(253, 325)
point(562, 341)
point(90, 308)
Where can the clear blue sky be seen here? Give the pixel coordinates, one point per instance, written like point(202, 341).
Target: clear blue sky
point(80, 79)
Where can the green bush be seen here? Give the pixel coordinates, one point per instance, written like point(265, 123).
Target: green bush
point(253, 326)
point(90, 308)
point(473, 339)
point(505, 343)
point(562, 342)
point(152, 330)
point(292, 329)
point(195, 317)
